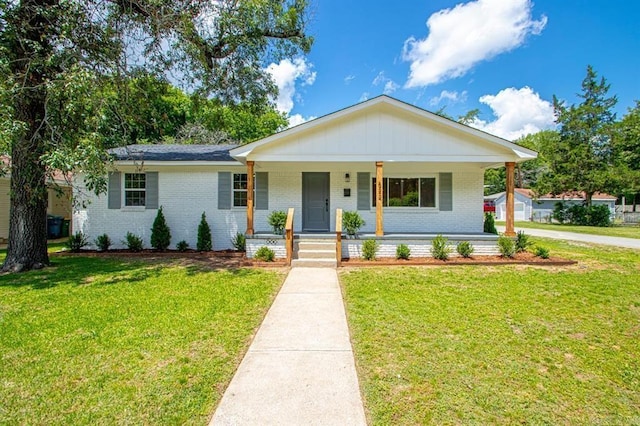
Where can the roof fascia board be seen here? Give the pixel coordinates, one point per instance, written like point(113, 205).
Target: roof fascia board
point(176, 163)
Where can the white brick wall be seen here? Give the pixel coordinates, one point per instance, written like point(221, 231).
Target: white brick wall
point(185, 193)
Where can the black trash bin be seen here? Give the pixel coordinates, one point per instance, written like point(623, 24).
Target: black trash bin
point(54, 223)
point(64, 229)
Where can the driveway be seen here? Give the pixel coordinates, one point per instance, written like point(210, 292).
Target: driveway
point(584, 238)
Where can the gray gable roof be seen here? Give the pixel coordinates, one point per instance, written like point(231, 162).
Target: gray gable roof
point(172, 153)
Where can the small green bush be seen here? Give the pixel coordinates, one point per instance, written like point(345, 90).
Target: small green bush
point(160, 232)
point(522, 242)
point(277, 219)
point(490, 224)
point(465, 249)
point(182, 246)
point(352, 222)
point(133, 242)
point(440, 248)
point(542, 252)
point(103, 242)
point(77, 241)
point(506, 246)
point(403, 252)
point(265, 254)
point(204, 235)
point(239, 242)
point(369, 249)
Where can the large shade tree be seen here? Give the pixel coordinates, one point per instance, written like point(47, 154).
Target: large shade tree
point(54, 53)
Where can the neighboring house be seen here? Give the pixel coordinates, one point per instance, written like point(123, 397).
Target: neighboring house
point(530, 207)
point(59, 202)
point(405, 170)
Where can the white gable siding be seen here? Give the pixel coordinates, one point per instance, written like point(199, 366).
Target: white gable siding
point(379, 135)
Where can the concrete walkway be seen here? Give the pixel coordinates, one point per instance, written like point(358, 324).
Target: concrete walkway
point(300, 367)
point(585, 238)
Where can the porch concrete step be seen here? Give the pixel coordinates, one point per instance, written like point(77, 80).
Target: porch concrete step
point(304, 245)
point(317, 254)
point(314, 263)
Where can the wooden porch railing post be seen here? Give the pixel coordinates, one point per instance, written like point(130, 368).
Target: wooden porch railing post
point(288, 229)
point(339, 236)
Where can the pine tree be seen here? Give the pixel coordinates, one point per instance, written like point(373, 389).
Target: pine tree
point(583, 158)
point(204, 235)
point(160, 232)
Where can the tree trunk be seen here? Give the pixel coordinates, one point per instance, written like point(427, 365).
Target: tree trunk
point(27, 248)
point(588, 195)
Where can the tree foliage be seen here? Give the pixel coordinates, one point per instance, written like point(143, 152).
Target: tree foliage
point(583, 157)
point(57, 55)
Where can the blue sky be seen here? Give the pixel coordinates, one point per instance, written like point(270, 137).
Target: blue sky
point(506, 57)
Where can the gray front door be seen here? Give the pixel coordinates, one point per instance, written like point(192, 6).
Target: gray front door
point(315, 202)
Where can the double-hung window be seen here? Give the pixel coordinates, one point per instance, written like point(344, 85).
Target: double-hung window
point(135, 191)
point(406, 192)
point(239, 190)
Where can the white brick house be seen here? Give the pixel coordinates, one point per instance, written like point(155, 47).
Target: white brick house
point(431, 171)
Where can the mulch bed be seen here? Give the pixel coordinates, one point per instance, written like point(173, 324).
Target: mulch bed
point(232, 259)
point(519, 259)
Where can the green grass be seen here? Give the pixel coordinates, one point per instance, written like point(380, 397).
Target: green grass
point(500, 345)
point(95, 341)
point(612, 231)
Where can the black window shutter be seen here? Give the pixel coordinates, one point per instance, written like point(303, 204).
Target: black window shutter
point(114, 194)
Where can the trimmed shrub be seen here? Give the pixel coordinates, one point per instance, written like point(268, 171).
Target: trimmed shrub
point(542, 252)
point(403, 252)
point(204, 235)
point(160, 232)
point(133, 242)
point(239, 242)
point(489, 224)
point(352, 222)
point(506, 246)
point(277, 219)
point(103, 242)
point(369, 249)
point(440, 248)
point(465, 249)
point(77, 241)
point(182, 246)
point(265, 254)
point(599, 215)
point(559, 212)
point(522, 242)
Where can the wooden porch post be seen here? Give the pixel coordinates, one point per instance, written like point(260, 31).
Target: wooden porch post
point(249, 198)
point(510, 231)
point(379, 198)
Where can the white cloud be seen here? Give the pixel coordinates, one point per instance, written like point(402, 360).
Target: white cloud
point(349, 78)
point(297, 119)
point(469, 33)
point(452, 97)
point(518, 112)
point(364, 97)
point(285, 74)
point(390, 87)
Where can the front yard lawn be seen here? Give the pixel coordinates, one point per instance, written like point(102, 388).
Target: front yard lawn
point(611, 231)
point(500, 345)
point(95, 341)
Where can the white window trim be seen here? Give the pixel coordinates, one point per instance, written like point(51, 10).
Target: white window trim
point(124, 193)
point(411, 209)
